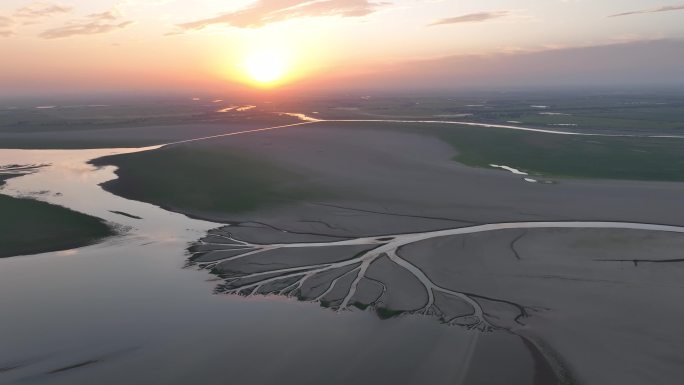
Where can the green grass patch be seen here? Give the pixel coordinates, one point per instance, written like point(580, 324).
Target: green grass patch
point(653, 159)
point(597, 122)
point(385, 313)
point(206, 179)
point(553, 155)
point(29, 227)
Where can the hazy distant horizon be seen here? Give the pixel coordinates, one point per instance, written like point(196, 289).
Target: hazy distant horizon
point(65, 98)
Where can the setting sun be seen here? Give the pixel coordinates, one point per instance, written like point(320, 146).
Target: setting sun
point(265, 68)
point(484, 192)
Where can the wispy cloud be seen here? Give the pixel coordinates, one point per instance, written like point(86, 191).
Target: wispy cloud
point(666, 8)
point(5, 22)
point(264, 12)
point(42, 9)
point(93, 24)
point(6, 26)
point(472, 18)
point(31, 14)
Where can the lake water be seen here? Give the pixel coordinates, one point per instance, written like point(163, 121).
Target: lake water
point(127, 311)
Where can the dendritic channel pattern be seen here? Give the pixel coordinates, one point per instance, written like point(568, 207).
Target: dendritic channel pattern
point(341, 273)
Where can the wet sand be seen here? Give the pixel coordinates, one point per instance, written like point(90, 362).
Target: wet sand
point(390, 182)
point(525, 301)
point(134, 136)
point(565, 287)
point(121, 310)
point(400, 182)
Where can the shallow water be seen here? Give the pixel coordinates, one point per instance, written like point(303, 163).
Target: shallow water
point(516, 172)
point(127, 311)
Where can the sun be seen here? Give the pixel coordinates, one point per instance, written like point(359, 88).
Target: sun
point(266, 67)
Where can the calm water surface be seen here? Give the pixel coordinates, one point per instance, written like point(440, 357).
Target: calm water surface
point(127, 311)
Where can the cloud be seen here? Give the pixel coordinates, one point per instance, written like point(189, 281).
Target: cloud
point(471, 18)
point(264, 12)
point(5, 26)
point(42, 9)
point(667, 8)
point(6, 22)
point(96, 23)
point(105, 16)
point(30, 14)
point(650, 62)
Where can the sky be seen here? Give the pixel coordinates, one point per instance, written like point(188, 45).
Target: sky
point(146, 45)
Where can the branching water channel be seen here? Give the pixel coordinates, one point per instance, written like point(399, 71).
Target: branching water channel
point(380, 271)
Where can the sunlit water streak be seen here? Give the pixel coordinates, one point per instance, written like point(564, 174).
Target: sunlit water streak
point(516, 172)
point(69, 180)
point(307, 118)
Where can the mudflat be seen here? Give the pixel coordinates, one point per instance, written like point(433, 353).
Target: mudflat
point(547, 278)
point(29, 226)
point(396, 181)
point(382, 183)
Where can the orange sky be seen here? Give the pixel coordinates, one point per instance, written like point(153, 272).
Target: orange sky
point(182, 44)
